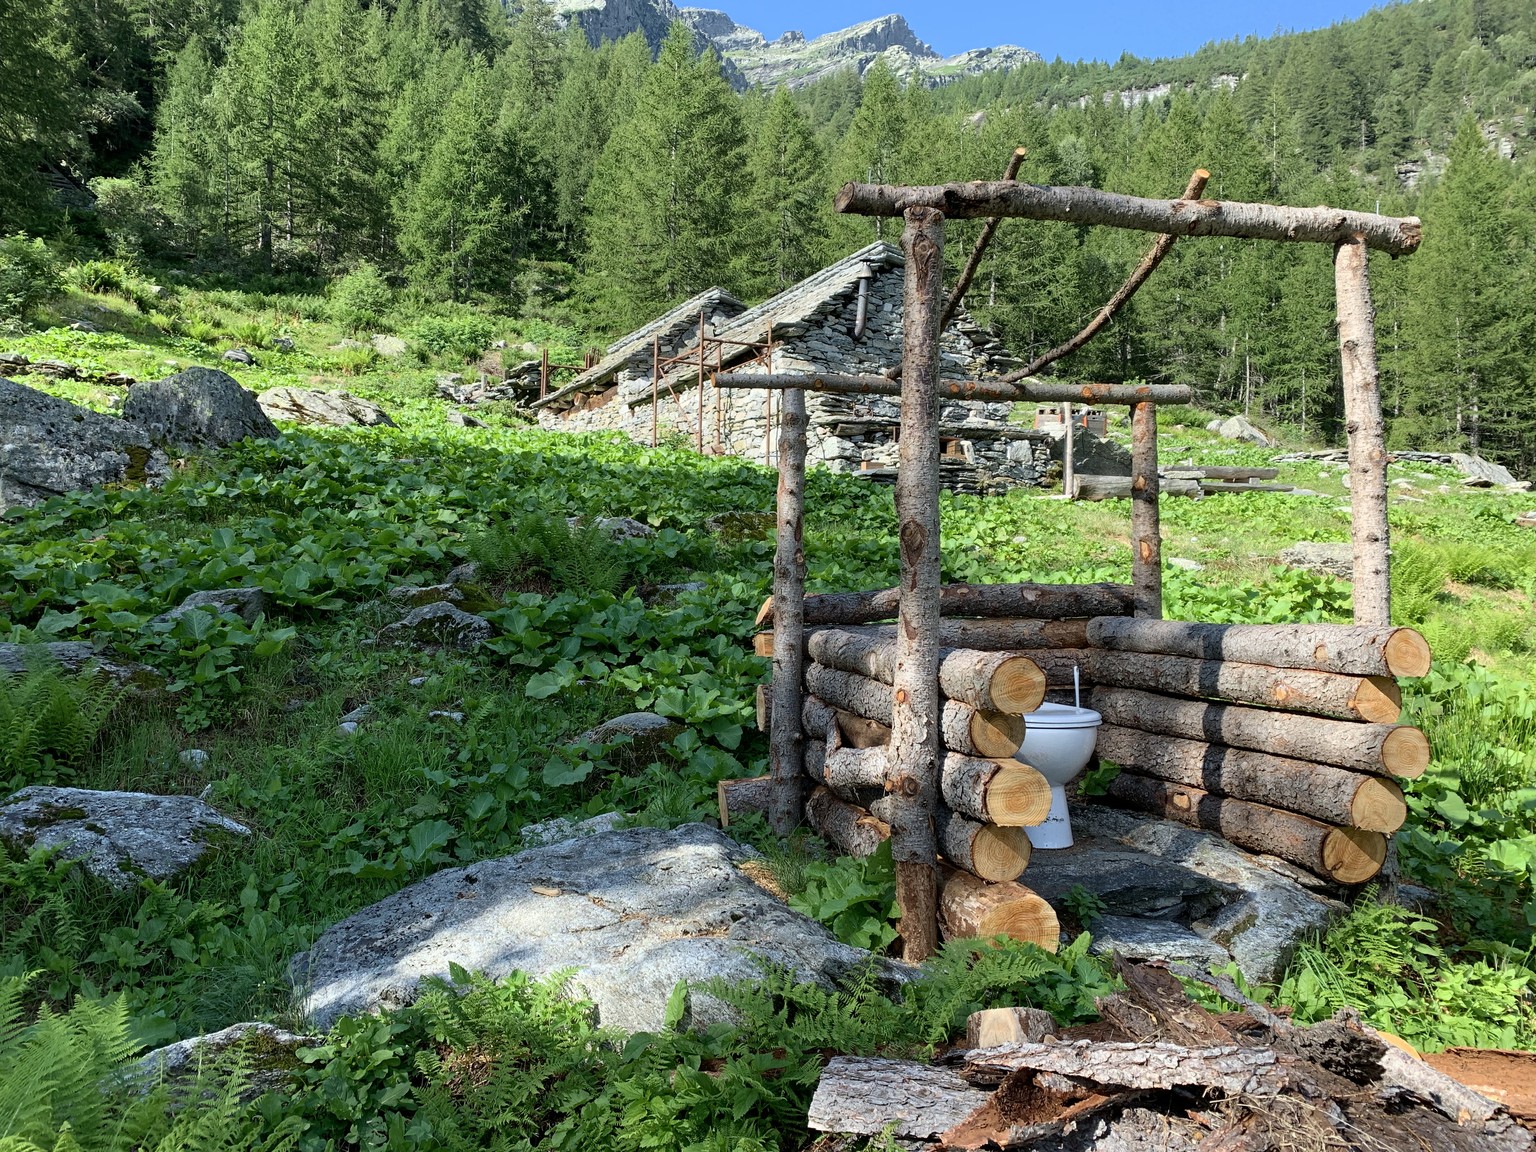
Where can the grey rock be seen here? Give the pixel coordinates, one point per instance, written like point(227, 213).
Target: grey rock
point(49, 447)
point(439, 624)
point(1329, 559)
point(54, 369)
point(637, 737)
point(83, 326)
point(283, 344)
point(1526, 519)
point(238, 356)
point(463, 421)
point(347, 728)
point(1137, 938)
point(662, 593)
point(1482, 472)
point(1241, 428)
point(417, 681)
point(120, 836)
point(13, 360)
point(563, 829)
point(248, 603)
point(330, 409)
point(268, 1056)
point(454, 717)
point(195, 758)
point(197, 408)
point(350, 345)
point(449, 592)
point(73, 656)
point(465, 573)
point(357, 716)
point(390, 346)
point(1184, 564)
point(618, 527)
point(631, 912)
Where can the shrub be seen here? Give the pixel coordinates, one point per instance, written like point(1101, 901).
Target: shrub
point(462, 334)
point(29, 277)
point(582, 558)
point(99, 276)
point(129, 215)
point(361, 298)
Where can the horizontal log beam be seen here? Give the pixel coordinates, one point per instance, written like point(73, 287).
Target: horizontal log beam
point(1024, 601)
point(1397, 236)
point(996, 791)
point(992, 735)
point(1346, 649)
point(999, 634)
point(852, 830)
point(996, 392)
point(991, 681)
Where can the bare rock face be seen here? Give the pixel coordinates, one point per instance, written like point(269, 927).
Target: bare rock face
point(331, 409)
point(1329, 559)
point(120, 836)
point(442, 624)
point(632, 912)
point(49, 447)
point(1241, 428)
point(198, 408)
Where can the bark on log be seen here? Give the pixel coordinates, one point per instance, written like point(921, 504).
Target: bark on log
point(1058, 667)
point(964, 729)
point(994, 1027)
point(1155, 255)
point(1347, 855)
point(1028, 601)
point(1395, 235)
point(992, 681)
point(1003, 792)
point(1146, 529)
point(1001, 634)
point(972, 910)
point(819, 718)
point(1325, 793)
point(1138, 1065)
point(987, 851)
point(865, 1096)
point(750, 794)
point(1339, 648)
point(1028, 391)
point(1367, 436)
point(1384, 749)
point(1374, 699)
point(912, 785)
point(851, 829)
point(1090, 488)
point(764, 695)
point(786, 753)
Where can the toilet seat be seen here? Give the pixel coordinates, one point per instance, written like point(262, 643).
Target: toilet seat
point(1062, 716)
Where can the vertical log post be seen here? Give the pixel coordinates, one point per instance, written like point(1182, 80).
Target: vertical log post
point(915, 708)
point(1367, 443)
point(1068, 452)
point(700, 442)
point(655, 388)
point(1146, 531)
point(544, 374)
point(786, 745)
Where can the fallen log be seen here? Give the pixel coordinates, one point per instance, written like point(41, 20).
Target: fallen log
point(1375, 699)
point(986, 851)
point(1340, 648)
point(1003, 792)
point(970, 909)
point(964, 729)
point(1347, 855)
point(1090, 487)
point(851, 829)
point(991, 681)
point(1332, 795)
point(1031, 601)
point(864, 1096)
point(1385, 749)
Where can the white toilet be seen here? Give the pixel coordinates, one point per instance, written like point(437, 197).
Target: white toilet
point(1058, 743)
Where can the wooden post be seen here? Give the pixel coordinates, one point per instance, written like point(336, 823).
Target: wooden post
point(544, 374)
point(989, 229)
point(915, 707)
point(700, 442)
point(719, 445)
point(1068, 465)
point(786, 745)
point(1367, 443)
point(1146, 532)
point(655, 386)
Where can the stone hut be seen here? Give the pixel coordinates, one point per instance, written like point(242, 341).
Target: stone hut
point(846, 318)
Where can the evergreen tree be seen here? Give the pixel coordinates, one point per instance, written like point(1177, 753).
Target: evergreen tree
point(786, 205)
point(663, 221)
point(187, 146)
point(38, 107)
point(872, 150)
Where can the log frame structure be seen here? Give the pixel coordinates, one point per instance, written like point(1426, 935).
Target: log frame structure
point(915, 710)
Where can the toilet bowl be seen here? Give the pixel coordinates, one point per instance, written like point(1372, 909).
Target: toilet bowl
point(1058, 743)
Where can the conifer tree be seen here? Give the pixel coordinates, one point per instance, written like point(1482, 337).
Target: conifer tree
point(38, 103)
point(786, 204)
point(184, 160)
point(872, 149)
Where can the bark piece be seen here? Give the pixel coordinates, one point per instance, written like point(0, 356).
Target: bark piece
point(1340, 648)
point(853, 830)
point(1367, 435)
point(1347, 855)
point(992, 681)
point(1396, 235)
point(971, 909)
point(1332, 795)
point(1375, 699)
point(1157, 1065)
point(1385, 749)
point(864, 1096)
point(1030, 601)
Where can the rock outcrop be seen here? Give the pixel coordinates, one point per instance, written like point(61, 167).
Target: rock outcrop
point(49, 447)
point(439, 624)
point(632, 912)
point(72, 657)
point(331, 409)
point(247, 603)
point(195, 409)
point(119, 836)
point(1328, 559)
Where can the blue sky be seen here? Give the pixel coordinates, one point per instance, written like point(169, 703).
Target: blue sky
point(1080, 29)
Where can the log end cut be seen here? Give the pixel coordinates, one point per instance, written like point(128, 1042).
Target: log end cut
point(970, 909)
point(1353, 855)
point(1407, 653)
point(1378, 806)
point(996, 735)
point(999, 853)
point(1018, 685)
point(1018, 796)
point(1378, 700)
point(1405, 752)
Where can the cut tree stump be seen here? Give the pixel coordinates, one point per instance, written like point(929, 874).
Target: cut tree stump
point(1346, 855)
point(971, 909)
point(1375, 699)
point(1385, 749)
point(991, 681)
point(1030, 601)
point(1339, 648)
point(1332, 795)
